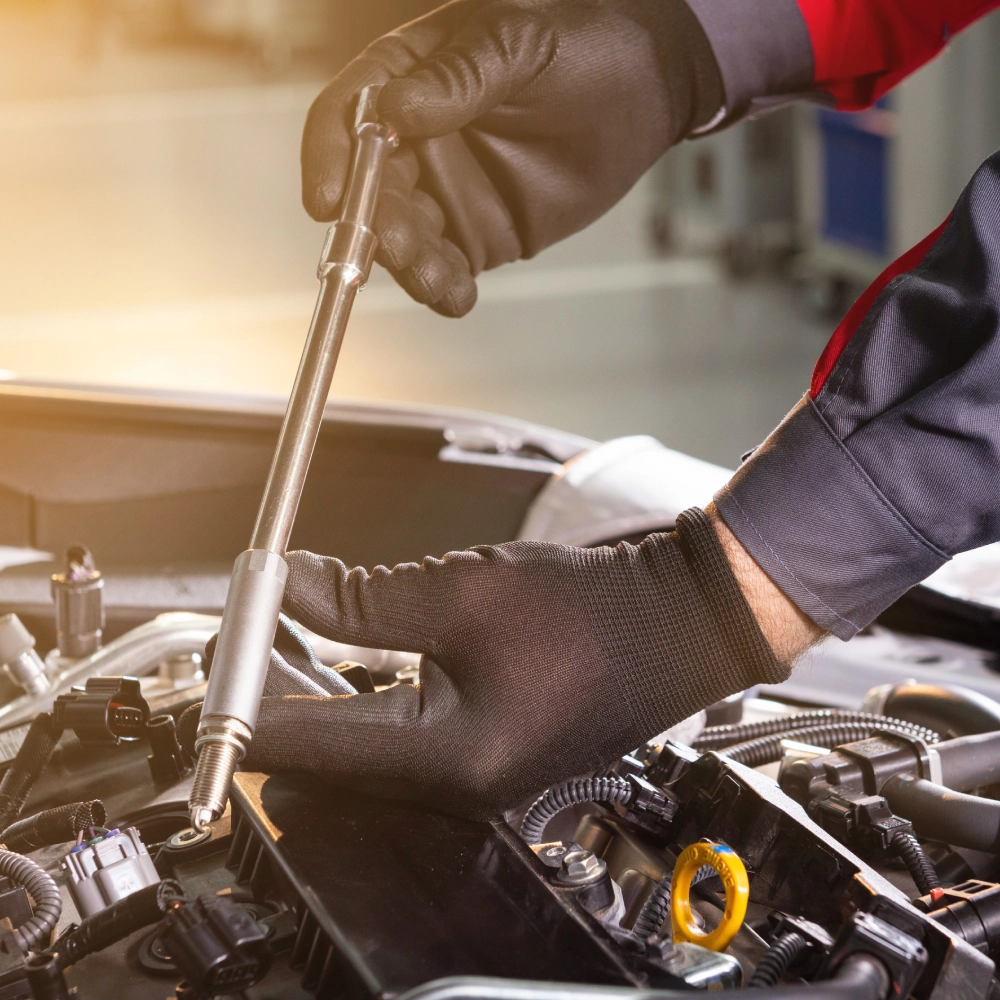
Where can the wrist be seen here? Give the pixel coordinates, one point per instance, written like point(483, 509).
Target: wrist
point(788, 630)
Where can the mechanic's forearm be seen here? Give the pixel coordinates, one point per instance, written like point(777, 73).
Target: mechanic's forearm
point(889, 465)
point(847, 51)
point(788, 631)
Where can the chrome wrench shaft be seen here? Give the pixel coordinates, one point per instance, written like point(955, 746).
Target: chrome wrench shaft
point(250, 618)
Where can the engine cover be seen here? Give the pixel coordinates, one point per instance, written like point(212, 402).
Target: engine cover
point(390, 896)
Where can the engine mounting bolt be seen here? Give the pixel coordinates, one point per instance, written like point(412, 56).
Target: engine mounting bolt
point(581, 867)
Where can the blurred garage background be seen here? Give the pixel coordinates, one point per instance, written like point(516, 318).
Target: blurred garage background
point(151, 232)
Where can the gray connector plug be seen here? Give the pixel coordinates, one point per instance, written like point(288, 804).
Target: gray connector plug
point(102, 871)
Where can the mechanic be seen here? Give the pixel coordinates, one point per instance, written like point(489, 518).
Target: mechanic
point(523, 121)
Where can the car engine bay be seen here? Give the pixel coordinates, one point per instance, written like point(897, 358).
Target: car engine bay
point(835, 836)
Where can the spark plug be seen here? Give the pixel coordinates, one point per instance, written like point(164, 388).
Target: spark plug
point(250, 617)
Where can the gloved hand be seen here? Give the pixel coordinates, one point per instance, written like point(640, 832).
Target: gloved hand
point(541, 662)
point(522, 121)
point(294, 666)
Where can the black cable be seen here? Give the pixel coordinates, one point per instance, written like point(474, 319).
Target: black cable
point(654, 911)
point(777, 960)
point(716, 737)
point(45, 896)
point(768, 749)
point(917, 863)
point(31, 759)
point(53, 826)
point(553, 801)
point(141, 908)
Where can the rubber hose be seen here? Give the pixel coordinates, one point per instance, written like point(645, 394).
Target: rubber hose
point(970, 761)
point(939, 813)
point(777, 960)
point(140, 909)
point(553, 801)
point(716, 737)
point(917, 863)
point(768, 749)
point(53, 826)
point(31, 759)
point(45, 896)
point(948, 708)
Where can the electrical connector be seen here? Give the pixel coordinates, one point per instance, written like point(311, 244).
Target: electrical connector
point(217, 945)
point(818, 941)
point(649, 807)
point(670, 764)
point(970, 910)
point(865, 823)
point(108, 868)
point(902, 955)
point(105, 710)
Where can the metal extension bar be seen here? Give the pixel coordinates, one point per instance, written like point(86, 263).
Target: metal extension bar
point(250, 618)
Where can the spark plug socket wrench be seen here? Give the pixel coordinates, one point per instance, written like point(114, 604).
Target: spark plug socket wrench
point(250, 617)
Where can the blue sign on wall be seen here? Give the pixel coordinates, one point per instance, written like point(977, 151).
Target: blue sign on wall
point(856, 177)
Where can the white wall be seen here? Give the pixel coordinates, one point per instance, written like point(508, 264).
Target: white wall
point(949, 122)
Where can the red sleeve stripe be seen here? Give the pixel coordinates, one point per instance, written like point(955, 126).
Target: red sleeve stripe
point(850, 323)
point(863, 48)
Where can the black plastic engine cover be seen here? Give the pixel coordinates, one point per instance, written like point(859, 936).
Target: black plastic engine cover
point(390, 896)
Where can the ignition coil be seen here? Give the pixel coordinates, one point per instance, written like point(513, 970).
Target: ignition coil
point(104, 710)
point(217, 945)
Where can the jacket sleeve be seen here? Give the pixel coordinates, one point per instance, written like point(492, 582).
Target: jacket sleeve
point(891, 463)
point(845, 53)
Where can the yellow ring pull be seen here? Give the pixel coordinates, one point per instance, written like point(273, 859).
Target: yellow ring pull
point(734, 879)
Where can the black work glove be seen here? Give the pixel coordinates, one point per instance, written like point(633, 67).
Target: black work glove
point(294, 666)
point(541, 662)
point(522, 121)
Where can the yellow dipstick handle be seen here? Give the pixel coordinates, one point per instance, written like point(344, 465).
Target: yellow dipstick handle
point(734, 879)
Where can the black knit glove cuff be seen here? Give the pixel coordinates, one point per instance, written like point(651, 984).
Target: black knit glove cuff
point(742, 645)
point(681, 41)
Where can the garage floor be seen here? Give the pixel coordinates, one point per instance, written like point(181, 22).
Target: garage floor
point(151, 234)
